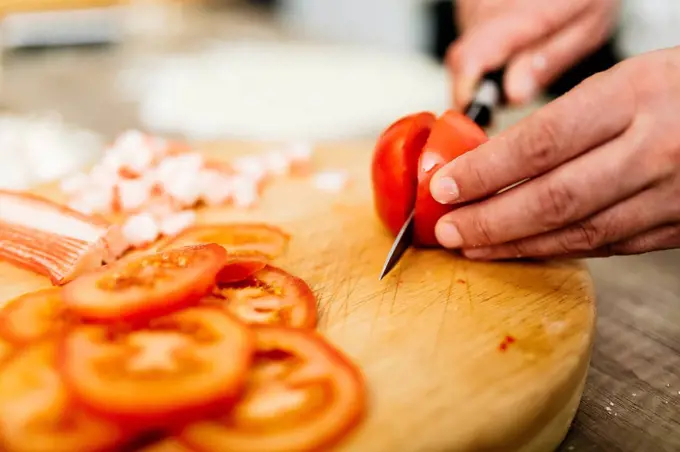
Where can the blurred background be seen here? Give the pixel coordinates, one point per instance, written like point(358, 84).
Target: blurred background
point(75, 73)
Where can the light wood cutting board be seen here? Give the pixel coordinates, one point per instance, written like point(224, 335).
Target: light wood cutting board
point(428, 337)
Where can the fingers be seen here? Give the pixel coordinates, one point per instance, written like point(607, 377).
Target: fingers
point(665, 237)
point(541, 64)
point(592, 235)
point(570, 193)
point(491, 43)
point(598, 110)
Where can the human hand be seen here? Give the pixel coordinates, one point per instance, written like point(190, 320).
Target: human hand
point(535, 40)
point(602, 171)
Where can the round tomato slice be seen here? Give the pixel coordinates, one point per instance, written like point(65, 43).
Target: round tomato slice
point(241, 240)
point(453, 134)
point(180, 366)
point(146, 286)
point(394, 173)
point(302, 395)
point(270, 296)
point(37, 413)
point(35, 316)
point(240, 268)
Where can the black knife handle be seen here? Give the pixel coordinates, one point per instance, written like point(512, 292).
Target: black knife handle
point(489, 95)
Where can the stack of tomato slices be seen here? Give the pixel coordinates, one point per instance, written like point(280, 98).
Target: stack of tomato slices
point(202, 345)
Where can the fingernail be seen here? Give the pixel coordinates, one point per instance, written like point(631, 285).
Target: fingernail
point(448, 235)
point(445, 190)
point(477, 253)
point(523, 88)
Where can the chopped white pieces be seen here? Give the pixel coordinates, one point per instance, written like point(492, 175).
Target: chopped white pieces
point(175, 223)
point(141, 229)
point(331, 181)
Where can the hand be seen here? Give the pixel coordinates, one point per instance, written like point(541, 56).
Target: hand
point(601, 167)
point(535, 40)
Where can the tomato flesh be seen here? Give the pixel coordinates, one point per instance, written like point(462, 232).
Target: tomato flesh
point(178, 367)
point(242, 240)
point(452, 135)
point(146, 286)
point(405, 158)
point(270, 296)
point(302, 395)
point(394, 168)
point(37, 414)
point(35, 316)
point(239, 268)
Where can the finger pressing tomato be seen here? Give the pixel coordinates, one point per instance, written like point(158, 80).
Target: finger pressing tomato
point(270, 296)
point(302, 396)
point(594, 173)
point(178, 367)
point(37, 414)
point(146, 286)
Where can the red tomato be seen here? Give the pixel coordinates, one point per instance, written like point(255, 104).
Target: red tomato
point(240, 268)
point(269, 297)
point(452, 135)
point(302, 395)
point(406, 156)
point(237, 239)
point(35, 316)
point(167, 445)
point(394, 170)
point(178, 367)
point(146, 286)
point(37, 413)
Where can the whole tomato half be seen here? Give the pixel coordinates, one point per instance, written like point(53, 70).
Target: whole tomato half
point(406, 156)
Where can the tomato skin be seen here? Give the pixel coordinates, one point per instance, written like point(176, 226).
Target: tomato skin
point(239, 268)
point(136, 302)
point(104, 376)
point(394, 168)
point(452, 135)
point(316, 424)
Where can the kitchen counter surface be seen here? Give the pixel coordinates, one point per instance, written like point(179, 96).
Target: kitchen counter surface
point(632, 397)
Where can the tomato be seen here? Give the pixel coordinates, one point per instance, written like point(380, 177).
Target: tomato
point(147, 285)
point(394, 168)
point(240, 268)
point(452, 135)
point(7, 349)
point(167, 445)
point(34, 316)
point(406, 157)
point(37, 413)
point(269, 297)
point(238, 239)
point(302, 395)
point(178, 367)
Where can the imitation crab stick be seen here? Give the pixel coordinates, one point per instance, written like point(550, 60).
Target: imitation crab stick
point(54, 240)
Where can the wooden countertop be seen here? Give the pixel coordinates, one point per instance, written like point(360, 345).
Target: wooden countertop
point(632, 395)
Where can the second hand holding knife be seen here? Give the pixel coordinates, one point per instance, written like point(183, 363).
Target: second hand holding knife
point(487, 97)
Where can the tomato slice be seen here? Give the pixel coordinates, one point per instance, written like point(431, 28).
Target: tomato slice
point(167, 445)
point(38, 415)
point(177, 367)
point(394, 173)
point(147, 285)
point(240, 268)
point(302, 395)
point(452, 135)
point(34, 316)
point(7, 349)
point(270, 296)
point(238, 239)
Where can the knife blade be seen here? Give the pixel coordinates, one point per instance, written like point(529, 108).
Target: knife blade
point(487, 97)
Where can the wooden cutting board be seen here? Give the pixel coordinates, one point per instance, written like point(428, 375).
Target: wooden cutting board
point(429, 336)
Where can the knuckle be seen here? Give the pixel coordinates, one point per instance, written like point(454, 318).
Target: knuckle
point(480, 231)
point(538, 146)
point(583, 236)
point(557, 204)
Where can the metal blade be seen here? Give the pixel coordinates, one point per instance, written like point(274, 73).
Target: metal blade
point(400, 245)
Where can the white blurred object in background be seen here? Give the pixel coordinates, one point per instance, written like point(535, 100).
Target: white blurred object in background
point(398, 25)
point(40, 149)
point(277, 91)
point(648, 25)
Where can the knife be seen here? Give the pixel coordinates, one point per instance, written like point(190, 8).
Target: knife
point(489, 95)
